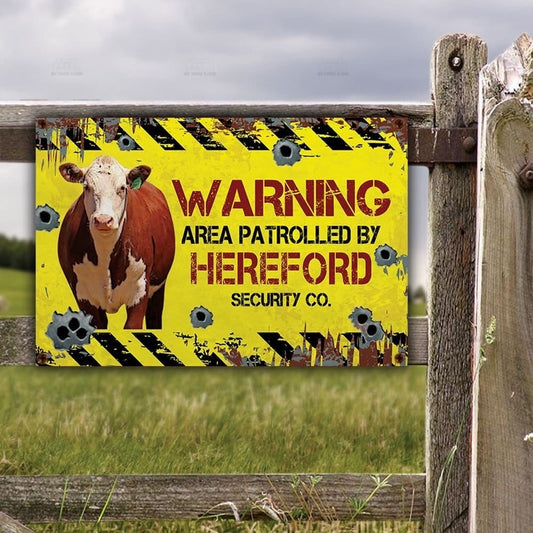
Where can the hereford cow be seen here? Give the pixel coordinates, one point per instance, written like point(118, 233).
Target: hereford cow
point(116, 243)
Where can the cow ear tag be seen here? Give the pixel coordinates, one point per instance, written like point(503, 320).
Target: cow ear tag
point(136, 183)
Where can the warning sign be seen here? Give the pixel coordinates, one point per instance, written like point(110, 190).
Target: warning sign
point(221, 241)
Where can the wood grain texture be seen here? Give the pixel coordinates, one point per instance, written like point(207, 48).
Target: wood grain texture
point(17, 341)
point(23, 114)
point(17, 120)
point(10, 525)
point(39, 498)
point(452, 204)
point(17, 144)
point(502, 472)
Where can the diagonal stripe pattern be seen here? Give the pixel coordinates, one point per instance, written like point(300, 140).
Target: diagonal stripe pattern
point(243, 129)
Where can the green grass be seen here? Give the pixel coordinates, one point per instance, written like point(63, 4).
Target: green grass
point(18, 288)
point(125, 421)
point(417, 309)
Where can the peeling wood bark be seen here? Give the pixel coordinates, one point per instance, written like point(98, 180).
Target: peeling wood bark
point(39, 498)
point(451, 303)
point(502, 469)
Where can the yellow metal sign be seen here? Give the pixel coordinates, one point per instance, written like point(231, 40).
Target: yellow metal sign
point(225, 242)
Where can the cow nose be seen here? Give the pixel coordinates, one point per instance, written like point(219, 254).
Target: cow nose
point(103, 221)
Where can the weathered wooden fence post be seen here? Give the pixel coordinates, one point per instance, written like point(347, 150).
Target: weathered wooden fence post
point(10, 525)
point(457, 60)
point(502, 463)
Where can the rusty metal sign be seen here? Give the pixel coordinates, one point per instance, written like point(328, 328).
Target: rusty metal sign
point(222, 241)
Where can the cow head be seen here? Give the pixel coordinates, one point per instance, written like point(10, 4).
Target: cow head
point(105, 190)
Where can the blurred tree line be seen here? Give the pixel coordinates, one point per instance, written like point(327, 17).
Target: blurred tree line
point(17, 253)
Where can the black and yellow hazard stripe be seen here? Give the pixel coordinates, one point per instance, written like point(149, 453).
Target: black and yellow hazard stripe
point(160, 134)
point(243, 129)
point(78, 137)
point(157, 348)
point(280, 127)
point(369, 133)
point(329, 135)
point(82, 357)
point(251, 133)
point(116, 349)
point(158, 354)
point(201, 134)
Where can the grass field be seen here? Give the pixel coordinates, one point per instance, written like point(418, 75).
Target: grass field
point(18, 288)
point(94, 421)
point(89, 421)
point(125, 421)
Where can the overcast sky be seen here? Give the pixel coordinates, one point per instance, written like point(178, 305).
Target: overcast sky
point(233, 50)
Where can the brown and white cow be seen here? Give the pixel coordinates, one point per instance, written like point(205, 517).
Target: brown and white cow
point(116, 243)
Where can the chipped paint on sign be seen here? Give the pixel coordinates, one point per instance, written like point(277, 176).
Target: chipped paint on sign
point(287, 231)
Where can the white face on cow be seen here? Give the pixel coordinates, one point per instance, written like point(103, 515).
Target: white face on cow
point(105, 189)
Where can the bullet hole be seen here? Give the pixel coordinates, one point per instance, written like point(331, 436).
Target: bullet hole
point(201, 317)
point(46, 218)
point(62, 332)
point(286, 153)
point(285, 150)
point(385, 256)
point(69, 329)
point(373, 331)
point(362, 319)
point(126, 143)
point(360, 316)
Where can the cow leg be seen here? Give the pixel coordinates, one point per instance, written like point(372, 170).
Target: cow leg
point(136, 314)
point(154, 311)
point(99, 320)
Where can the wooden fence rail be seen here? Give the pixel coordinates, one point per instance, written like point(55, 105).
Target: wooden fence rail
point(17, 119)
point(43, 498)
point(472, 411)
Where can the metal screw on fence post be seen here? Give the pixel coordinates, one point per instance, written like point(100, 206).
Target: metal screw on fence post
point(525, 177)
point(469, 144)
point(456, 63)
